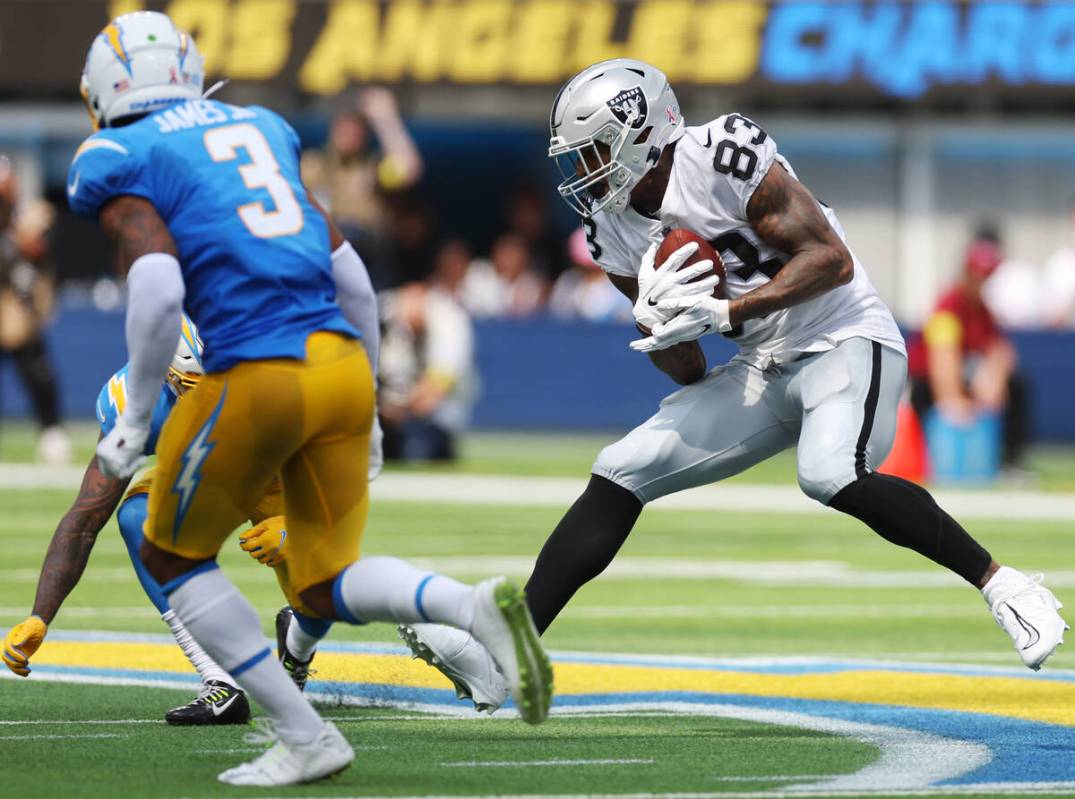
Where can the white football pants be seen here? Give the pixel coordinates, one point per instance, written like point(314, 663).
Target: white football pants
point(838, 407)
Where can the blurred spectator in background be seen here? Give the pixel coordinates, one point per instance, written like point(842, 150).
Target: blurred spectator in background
point(26, 299)
point(369, 155)
point(583, 291)
point(450, 268)
point(528, 218)
point(1013, 292)
point(964, 365)
point(506, 285)
point(1058, 295)
point(427, 378)
point(411, 244)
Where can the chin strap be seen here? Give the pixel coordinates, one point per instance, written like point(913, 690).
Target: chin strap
point(220, 84)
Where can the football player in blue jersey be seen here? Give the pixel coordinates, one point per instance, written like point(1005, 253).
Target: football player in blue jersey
point(205, 205)
point(219, 701)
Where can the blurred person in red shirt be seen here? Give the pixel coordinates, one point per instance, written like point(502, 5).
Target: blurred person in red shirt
point(962, 362)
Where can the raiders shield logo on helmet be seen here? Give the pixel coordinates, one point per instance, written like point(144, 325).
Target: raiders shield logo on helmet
point(629, 107)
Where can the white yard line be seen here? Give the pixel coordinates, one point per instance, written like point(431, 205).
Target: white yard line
point(23, 722)
point(909, 759)
point(894, 611)
point(984, 788)
point(560, 492)
point(627, 761)
point(76, 612)
point(21, 737)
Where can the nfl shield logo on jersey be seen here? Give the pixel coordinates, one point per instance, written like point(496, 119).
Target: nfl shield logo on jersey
point(629, 107)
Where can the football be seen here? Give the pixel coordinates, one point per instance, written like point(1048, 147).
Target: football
point(676, 238)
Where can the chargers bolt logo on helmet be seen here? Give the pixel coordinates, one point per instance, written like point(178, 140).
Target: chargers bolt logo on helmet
point(138, 63)
point(609, 125)
point(186, 367)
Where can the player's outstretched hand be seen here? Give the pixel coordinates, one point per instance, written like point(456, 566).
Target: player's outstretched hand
point(376, 449)
point(21, 642)
point(120, 453)
point(266, 542)
point(668, 280)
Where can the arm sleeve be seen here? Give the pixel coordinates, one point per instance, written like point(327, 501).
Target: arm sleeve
point(104, 168)
point(358, 301)
point(154, 305)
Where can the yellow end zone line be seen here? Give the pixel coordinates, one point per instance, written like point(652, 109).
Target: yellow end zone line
point(1035, 700)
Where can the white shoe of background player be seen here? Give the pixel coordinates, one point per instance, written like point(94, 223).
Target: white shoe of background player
point(1028, 612)
point(456, 655)
point(291, 764)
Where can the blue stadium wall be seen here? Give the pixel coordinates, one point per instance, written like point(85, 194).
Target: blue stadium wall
point(536, 374)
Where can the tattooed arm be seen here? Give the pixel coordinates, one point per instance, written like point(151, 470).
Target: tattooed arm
point(135, 227)
point(685, 362)
point(787, 217)
point(74, 538)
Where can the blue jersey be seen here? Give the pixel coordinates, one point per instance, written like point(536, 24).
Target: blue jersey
point(255, 253)
point(112, 401)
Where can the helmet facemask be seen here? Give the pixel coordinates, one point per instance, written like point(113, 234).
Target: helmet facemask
point(594, 162)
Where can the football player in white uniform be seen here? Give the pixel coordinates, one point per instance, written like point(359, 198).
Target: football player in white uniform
point(821, 364)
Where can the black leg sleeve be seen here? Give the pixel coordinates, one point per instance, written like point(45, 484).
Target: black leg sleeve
point(1016, 421)
point(581, 547)
point(906, 515)
point(33, 365)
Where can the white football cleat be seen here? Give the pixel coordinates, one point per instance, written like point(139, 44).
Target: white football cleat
point(292, 764)
point(54, 446)
point(456, 655)
point(1028, 612)
point(502, 624)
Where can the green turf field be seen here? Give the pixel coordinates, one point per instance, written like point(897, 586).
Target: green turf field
point(755, 591)
point(399, 752)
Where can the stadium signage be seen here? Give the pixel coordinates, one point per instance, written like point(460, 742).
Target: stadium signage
point(884, 48)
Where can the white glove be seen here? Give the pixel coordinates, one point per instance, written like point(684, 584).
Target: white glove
point(703, 315)
point(121, 453)
point(376, 449)
point(668, 280)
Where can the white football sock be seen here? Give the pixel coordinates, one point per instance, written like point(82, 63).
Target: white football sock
point(300, 643)
point(205, 666)
point(224, 623)
point(389, 589)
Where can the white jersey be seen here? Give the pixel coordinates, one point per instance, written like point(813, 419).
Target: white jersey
point(715, 171)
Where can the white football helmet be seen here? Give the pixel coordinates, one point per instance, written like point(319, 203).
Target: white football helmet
point(186, 368)
point(625, 105)
point(138, 63)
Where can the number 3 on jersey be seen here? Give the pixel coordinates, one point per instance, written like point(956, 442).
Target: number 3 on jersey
point(263, 172)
